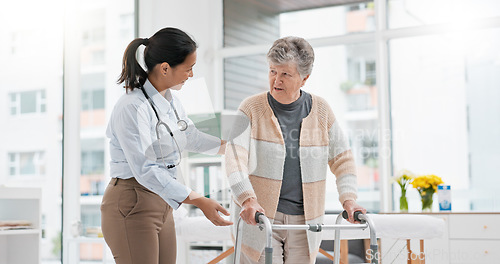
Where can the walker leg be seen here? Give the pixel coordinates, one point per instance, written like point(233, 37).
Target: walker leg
point(261, 218)
point(237, 243)
point(269, 255)
point(336, 242)
point(373, 238)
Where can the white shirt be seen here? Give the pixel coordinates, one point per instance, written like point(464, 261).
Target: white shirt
point(135, 149)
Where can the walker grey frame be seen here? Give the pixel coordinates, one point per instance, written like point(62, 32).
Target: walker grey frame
point(264, 223)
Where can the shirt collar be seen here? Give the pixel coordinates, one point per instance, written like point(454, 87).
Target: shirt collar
point(158, 100)
point(287, 107)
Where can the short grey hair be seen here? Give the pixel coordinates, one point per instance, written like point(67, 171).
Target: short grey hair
point(292, 49)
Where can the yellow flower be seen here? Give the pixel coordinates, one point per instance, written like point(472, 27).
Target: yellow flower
point(425, 183)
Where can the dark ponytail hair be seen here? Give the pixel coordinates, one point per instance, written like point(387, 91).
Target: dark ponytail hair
point(170, 45)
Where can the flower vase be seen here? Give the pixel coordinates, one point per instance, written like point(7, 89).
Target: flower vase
point(427, 201)
point(403, 202)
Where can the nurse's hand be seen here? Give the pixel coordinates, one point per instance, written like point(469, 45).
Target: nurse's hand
point(351, 206)
point(210, 208)
point(249, 207)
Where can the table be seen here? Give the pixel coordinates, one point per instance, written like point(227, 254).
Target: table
point(401, 226)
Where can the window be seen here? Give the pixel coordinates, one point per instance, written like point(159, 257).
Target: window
point(126, 27)
point(13, 168)
point(93, 37)
point(28, 102)
point(408, 13)
point(20, 40)
point(93, 162)
point(91, 216)
point(328, 21)
point(93, 99)
point(26, 164)
point(449, 133)
point(93, 177)
point(355, 106)
point(106, 31)
point(93, 91)
point(432, 64)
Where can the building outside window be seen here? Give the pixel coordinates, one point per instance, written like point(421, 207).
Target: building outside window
point(92, 162)
point(32, 112)
point(106, 29)
point(31, 45)
point(26, 164)
point(28, 102)
point(92, 100)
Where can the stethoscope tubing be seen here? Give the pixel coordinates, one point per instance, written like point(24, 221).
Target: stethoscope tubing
point(182, 124)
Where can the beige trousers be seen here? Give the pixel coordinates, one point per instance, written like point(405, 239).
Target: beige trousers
point(137, 224)
point(289, 246)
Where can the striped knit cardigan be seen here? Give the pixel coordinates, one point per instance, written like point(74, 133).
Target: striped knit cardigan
point(255, 157)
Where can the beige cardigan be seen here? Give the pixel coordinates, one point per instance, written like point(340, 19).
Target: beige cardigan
point(255, 157)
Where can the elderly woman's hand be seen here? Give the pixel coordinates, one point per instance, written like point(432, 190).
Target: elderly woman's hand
point(249, 207)
point(351, 206)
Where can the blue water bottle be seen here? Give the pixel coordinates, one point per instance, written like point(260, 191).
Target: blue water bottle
point(444, 196)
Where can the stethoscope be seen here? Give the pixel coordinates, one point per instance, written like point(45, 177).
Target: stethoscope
point(182, 124)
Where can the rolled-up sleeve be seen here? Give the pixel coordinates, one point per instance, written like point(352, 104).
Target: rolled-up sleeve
point(197, 141)
point(132, 128)
point(200, 142)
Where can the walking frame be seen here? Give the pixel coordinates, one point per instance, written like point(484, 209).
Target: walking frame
point(264, 223)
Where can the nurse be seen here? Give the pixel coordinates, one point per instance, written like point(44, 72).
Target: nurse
point(148, 130)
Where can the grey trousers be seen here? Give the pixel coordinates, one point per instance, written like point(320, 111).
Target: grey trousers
point(289, 246)
point(137, 224)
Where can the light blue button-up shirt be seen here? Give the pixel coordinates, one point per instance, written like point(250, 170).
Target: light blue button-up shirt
point(136, 152)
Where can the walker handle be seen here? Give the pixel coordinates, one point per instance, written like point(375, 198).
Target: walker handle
point(356, 215)
point(257, 215)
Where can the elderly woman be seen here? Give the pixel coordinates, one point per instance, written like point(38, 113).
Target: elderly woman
point(276, 161)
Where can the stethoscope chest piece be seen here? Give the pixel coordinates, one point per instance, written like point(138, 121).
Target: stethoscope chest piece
point(182, 124)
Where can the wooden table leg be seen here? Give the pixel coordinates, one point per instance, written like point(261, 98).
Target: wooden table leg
point(422, 252)
point(326, 254)
point(344, 252)
point(222, 256)
point(408, 247)
point(416, 258)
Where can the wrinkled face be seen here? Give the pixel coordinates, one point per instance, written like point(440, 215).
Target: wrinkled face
point(285, 82)
point(178, 75)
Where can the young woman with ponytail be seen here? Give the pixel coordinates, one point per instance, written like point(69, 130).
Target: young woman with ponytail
point(146, 142)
